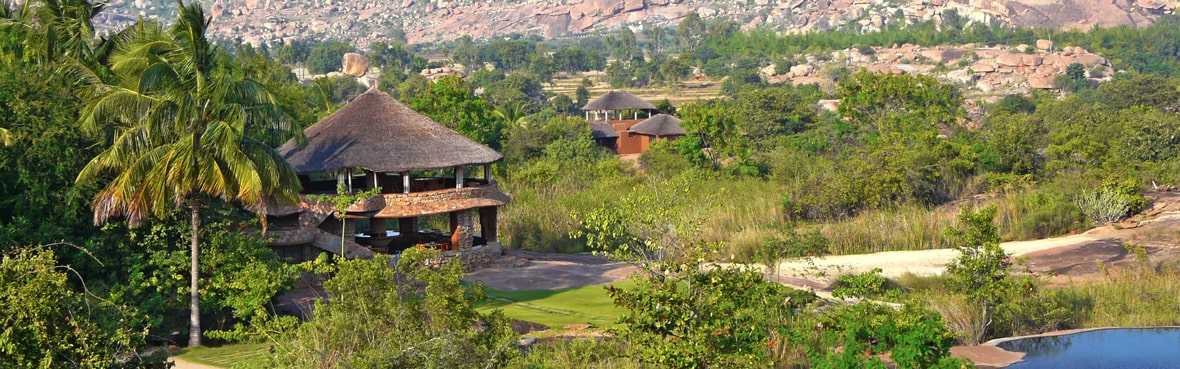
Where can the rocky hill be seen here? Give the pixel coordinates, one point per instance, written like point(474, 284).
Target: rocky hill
point(364, 21)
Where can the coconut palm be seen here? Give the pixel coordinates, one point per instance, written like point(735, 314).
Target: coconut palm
point(178, 122)
point(48, 30)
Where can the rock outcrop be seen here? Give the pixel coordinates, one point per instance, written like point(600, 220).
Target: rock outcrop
point(277, 21)
point(984, 71)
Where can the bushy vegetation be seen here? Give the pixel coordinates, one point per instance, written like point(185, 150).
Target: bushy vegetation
point(762, 175)
point(416, 315)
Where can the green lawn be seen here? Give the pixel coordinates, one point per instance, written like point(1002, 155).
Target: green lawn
point(228, 355)
point(555, 309)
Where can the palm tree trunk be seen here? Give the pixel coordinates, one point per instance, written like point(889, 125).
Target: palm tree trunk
point(194, 318)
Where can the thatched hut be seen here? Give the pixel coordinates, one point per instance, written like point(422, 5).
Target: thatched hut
point(421, 168)
point(615, 123)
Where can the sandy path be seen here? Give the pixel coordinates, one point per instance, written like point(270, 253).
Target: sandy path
point(919, 262)
point(178, 363)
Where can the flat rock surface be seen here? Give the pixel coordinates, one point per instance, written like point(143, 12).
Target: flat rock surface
point(987, 356)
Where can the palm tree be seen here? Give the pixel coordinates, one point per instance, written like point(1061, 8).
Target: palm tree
point(178, 123)
point(5, 137)
point(47, 30)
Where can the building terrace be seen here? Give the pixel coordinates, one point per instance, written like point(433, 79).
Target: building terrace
point(421, 168)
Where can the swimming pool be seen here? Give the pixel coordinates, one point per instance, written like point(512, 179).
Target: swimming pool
point(1123, 348)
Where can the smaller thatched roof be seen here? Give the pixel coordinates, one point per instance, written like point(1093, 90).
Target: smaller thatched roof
point(618, 100)
point(659, 125)
point(600, 129)
point(378, 133)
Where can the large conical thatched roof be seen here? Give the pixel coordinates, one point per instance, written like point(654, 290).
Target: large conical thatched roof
point(618, 100)
point(659, 125)
point(376, 132)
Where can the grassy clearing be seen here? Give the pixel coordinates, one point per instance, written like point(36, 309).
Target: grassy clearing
point(247, 355)
point(555, 309)
point(1140, 298)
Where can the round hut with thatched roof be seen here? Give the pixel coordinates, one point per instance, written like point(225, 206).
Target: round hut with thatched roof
point(615, 123)
point(421, 168)
point(659, 126)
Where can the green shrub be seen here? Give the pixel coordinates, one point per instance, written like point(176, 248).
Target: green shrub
point(721, 317)
point(861, 285)
point(855, 336)
point(1111, 202)
point(417, 315)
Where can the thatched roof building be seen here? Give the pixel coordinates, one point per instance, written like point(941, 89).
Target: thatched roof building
point(618, 100)
point(420, 168)
point(380, 134)
point(660, 125)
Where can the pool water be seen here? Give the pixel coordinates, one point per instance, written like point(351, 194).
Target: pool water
point(1123, 348)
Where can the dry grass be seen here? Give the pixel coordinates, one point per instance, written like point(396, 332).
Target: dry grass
point(688, 91)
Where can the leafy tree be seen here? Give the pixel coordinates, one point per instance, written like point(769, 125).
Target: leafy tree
point(1013, 144)
point(451, 102)
point(179, 136)
point(327, 56)
point(582, 96)
point(981, 269)
point(49, 324)
point(1074, 79)
point(418, 315)
point(869, 98)
point(239, 277)
point(715, 318)
point(395, 56)
point(1141, 90)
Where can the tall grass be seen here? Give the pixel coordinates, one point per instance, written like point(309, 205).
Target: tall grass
point(1132, 298)
point(744, 213)
point(909, 227)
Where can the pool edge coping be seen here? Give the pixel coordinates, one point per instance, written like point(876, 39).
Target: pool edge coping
point(1065, 332)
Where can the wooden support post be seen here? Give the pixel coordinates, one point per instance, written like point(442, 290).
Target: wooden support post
point(340, 181)
point(636, 115)
point(376, 181)
point(459, 176)
point(406, 182)
point(487, 173)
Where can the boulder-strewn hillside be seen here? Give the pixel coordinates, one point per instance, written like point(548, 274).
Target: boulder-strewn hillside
point(364, 21)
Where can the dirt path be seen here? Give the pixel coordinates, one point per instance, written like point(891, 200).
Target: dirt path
point(1079, 253)
point(178, 363)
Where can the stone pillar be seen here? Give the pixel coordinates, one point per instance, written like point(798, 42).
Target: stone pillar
point(461, 230)
point(487, 224)
point(377, 227)
point(408, 227)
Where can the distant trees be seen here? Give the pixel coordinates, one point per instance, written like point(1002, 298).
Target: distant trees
point(327, 56)
point(451, 102)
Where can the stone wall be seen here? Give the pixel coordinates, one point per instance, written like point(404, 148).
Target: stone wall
point(477, 257)
point(474, 258)
point(441, 201)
